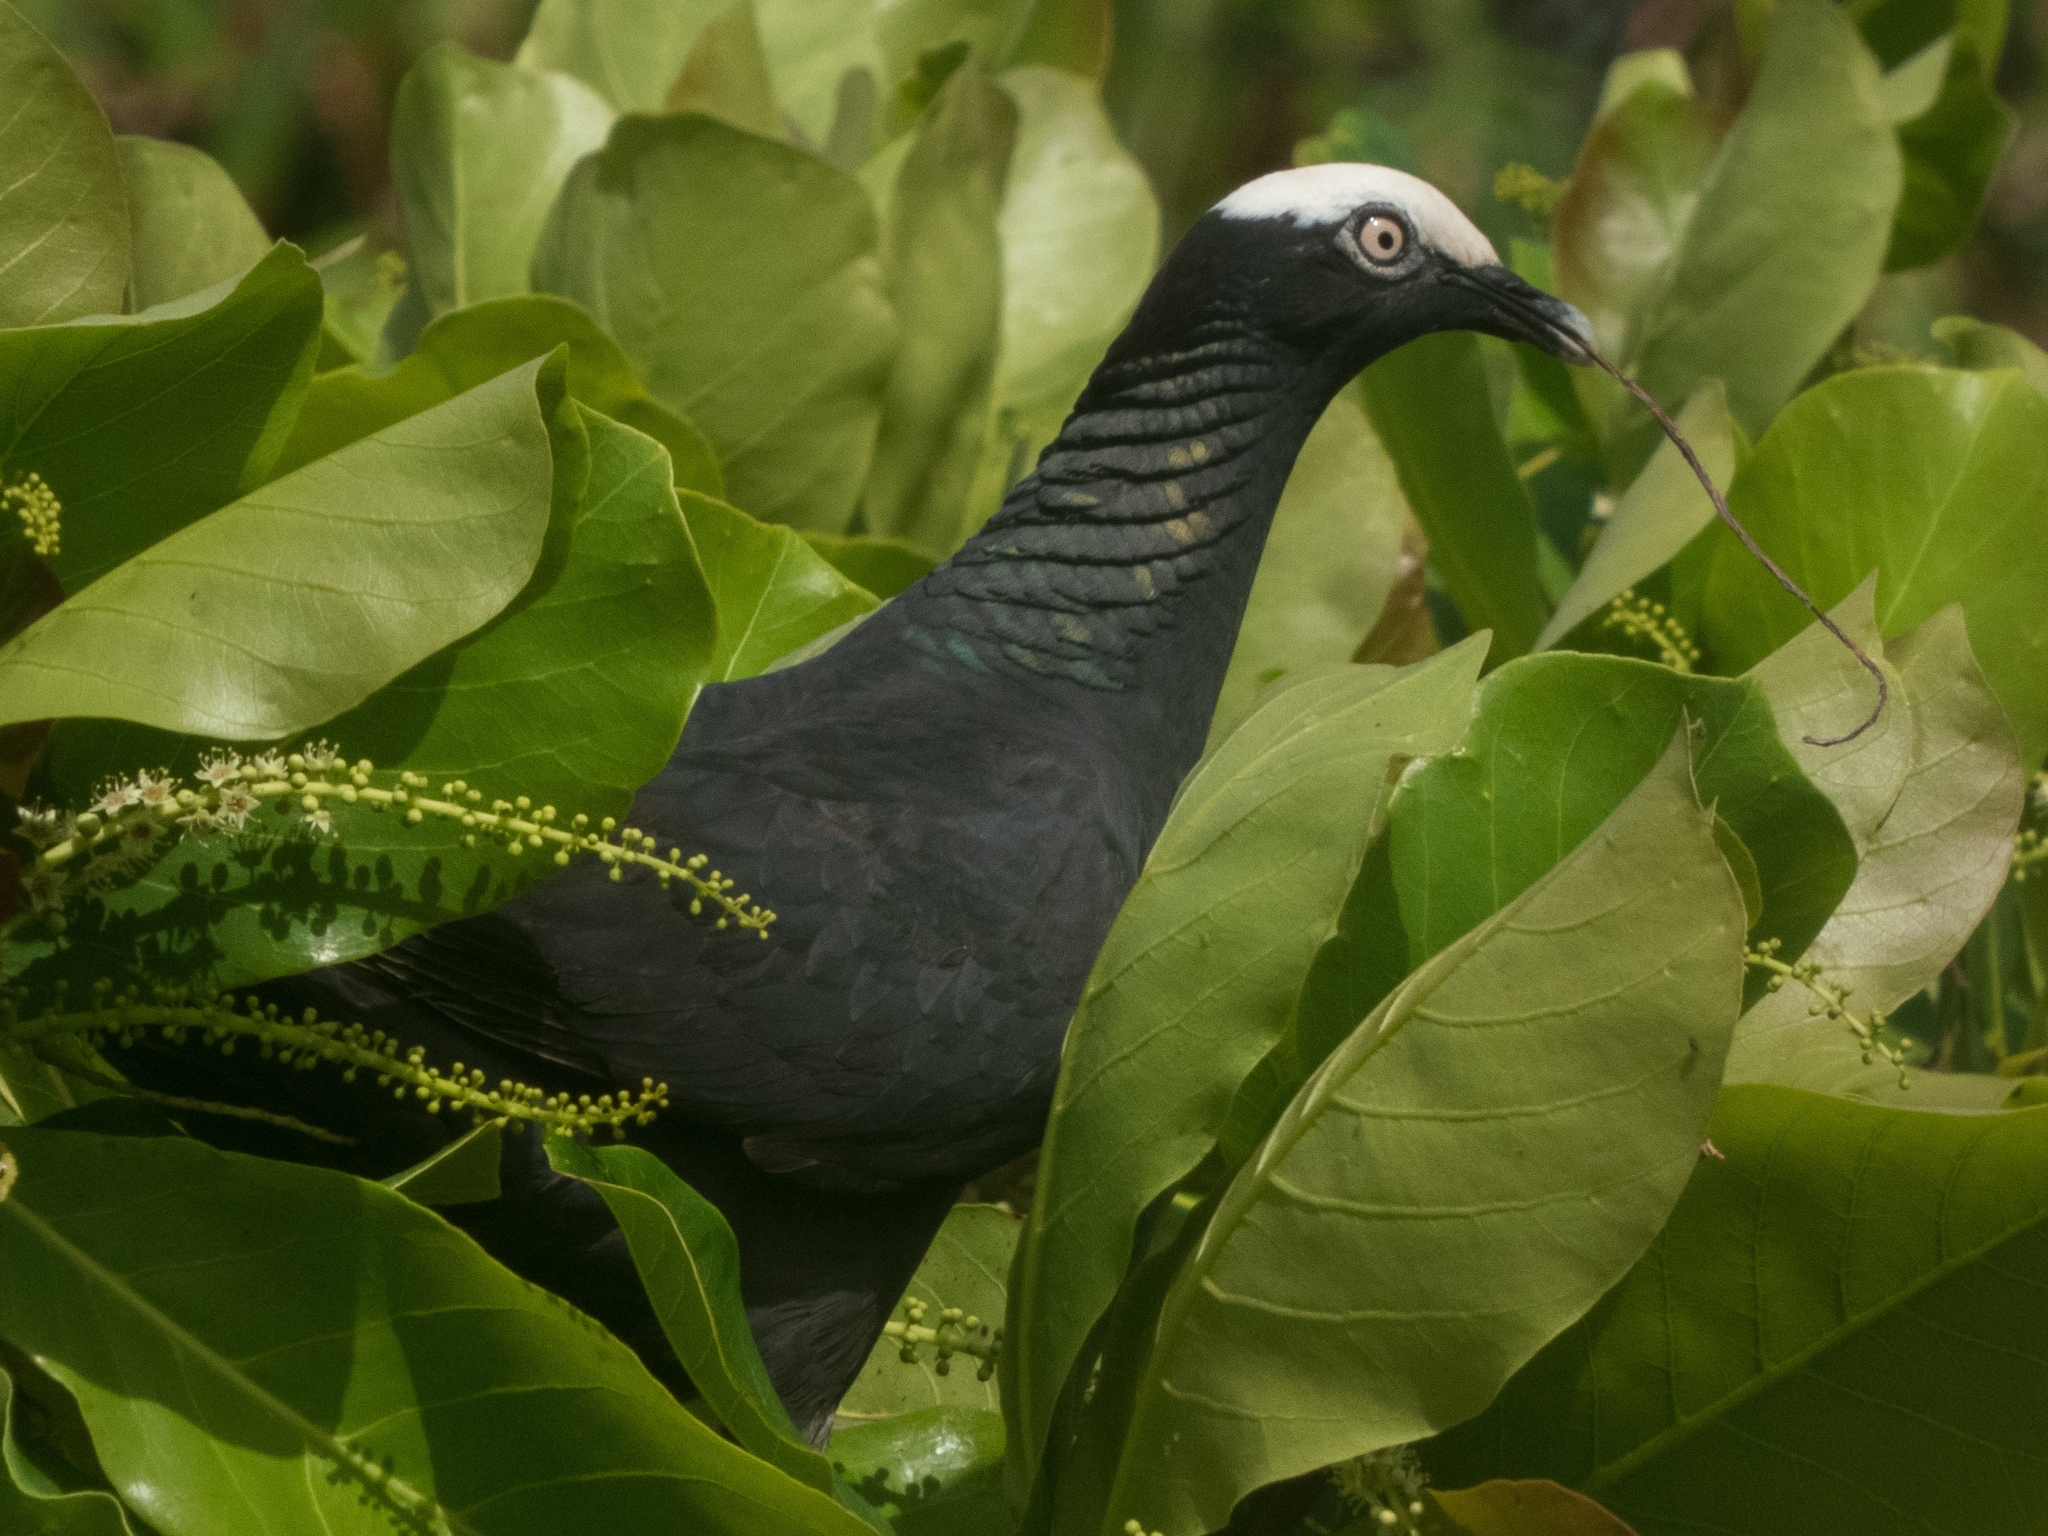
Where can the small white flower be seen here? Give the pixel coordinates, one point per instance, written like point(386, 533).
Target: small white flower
point(236, 806)
point(200, 822)
point(320, 821)
point(267, 765)
point(320, 756)
point(153, 791)
point(117, 796)
point(43, 825)
point(221, 771)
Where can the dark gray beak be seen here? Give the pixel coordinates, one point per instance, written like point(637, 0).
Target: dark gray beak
point(1525, 313)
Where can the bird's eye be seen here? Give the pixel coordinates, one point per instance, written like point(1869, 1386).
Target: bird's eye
point(1383, 239)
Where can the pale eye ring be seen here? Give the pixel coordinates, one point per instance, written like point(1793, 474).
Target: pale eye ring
point(1383, 239)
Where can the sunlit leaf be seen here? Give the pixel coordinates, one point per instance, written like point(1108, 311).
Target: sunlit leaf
point(1331, 558)
point(628, 51)
point(1931, 477)
point(140, 425)
point(64, 237)
point(726, 75)
point(811, 44)
point(772, 590)
point(1656, 517)
point(1195, 980)
point(689, 1263)
point(1432, 408)
point(677, 239)
point(1539, 1088)
point(318, 589)
point(1932, 796)
point(1789, 232)
point(478, 152)
point(1974, 344)
point(315, 1352)
point(945, 279)
point(932, 1472)
point(1841, 1306)
point(461, 350)
point(189, 226)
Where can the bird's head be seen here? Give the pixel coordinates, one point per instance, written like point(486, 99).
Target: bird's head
point(1347, 261)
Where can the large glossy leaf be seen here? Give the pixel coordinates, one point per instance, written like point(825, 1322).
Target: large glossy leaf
point(726, 75)
point(811, 45)
point(931, 1472)
point(63, 213)
point(1331, 558)
point(689, 1262)
point(1631, 194)
point(773, 591)
point(314, 1352)
point(1975, 344)
point(300, 600)
point(1432, 408)
point(968, 1267)
point(140, 425)
point(574, 696)
point(1195, 979)
point(945, 279)
point(677, 238)
point(1529, 1507)
point(1932, 798)
point(189, 226)
point(1789, 232)
point(1080, 232)
point(460, 351)
point(1933, 478)
point(478, 152)
point(628, 51)
point(1846, 1302)
point(1656, 517)
point(1466, 1175)
point(884, 566)
point(1558, 741)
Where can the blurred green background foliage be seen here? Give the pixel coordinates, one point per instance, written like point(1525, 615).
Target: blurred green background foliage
point(294, 97)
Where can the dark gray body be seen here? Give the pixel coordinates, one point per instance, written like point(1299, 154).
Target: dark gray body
point(945, 811)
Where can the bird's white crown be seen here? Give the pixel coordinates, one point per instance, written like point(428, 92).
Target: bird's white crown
point(1327, 194)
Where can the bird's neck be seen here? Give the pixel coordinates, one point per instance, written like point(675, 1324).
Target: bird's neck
point(1115, 576)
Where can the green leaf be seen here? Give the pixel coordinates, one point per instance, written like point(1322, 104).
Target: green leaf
point(1530, 1508)
point(1788, 235)
point(1432, 407)
point(1974, 344)
point(543, 702)
point(1080, 233)
point(1539, 1088)
point(689, 1263)
point(913, 28)
point(1557, 742)
point(628, 51)
point(883, 566)
point(1069, 35)
point(478, 152)
point(932, 1472)
point(1631, 195)
point(32, 1501)
point(676, 238)
point(360, 285)
point(1932, 477)
point(143, 424)
point(1331, 559)
point(1656, 517)
point(31, 1090)
point(463, 1172)
point(1194, 982)
point(316, 590)
point(317, 1353)
point(945, 279)
point(811, 47)
point(1949, 152)
point(773, 592)
point(190, 228)
point(967, 1266)
point(1932, 796)
point(726, 75)
point(63, 212)
point(1845, 1303)
point(461, 350)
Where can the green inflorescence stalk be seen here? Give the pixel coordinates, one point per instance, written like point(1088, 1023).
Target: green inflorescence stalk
point(1830, 1001)
point(1640, 619)
point(955, 1333)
